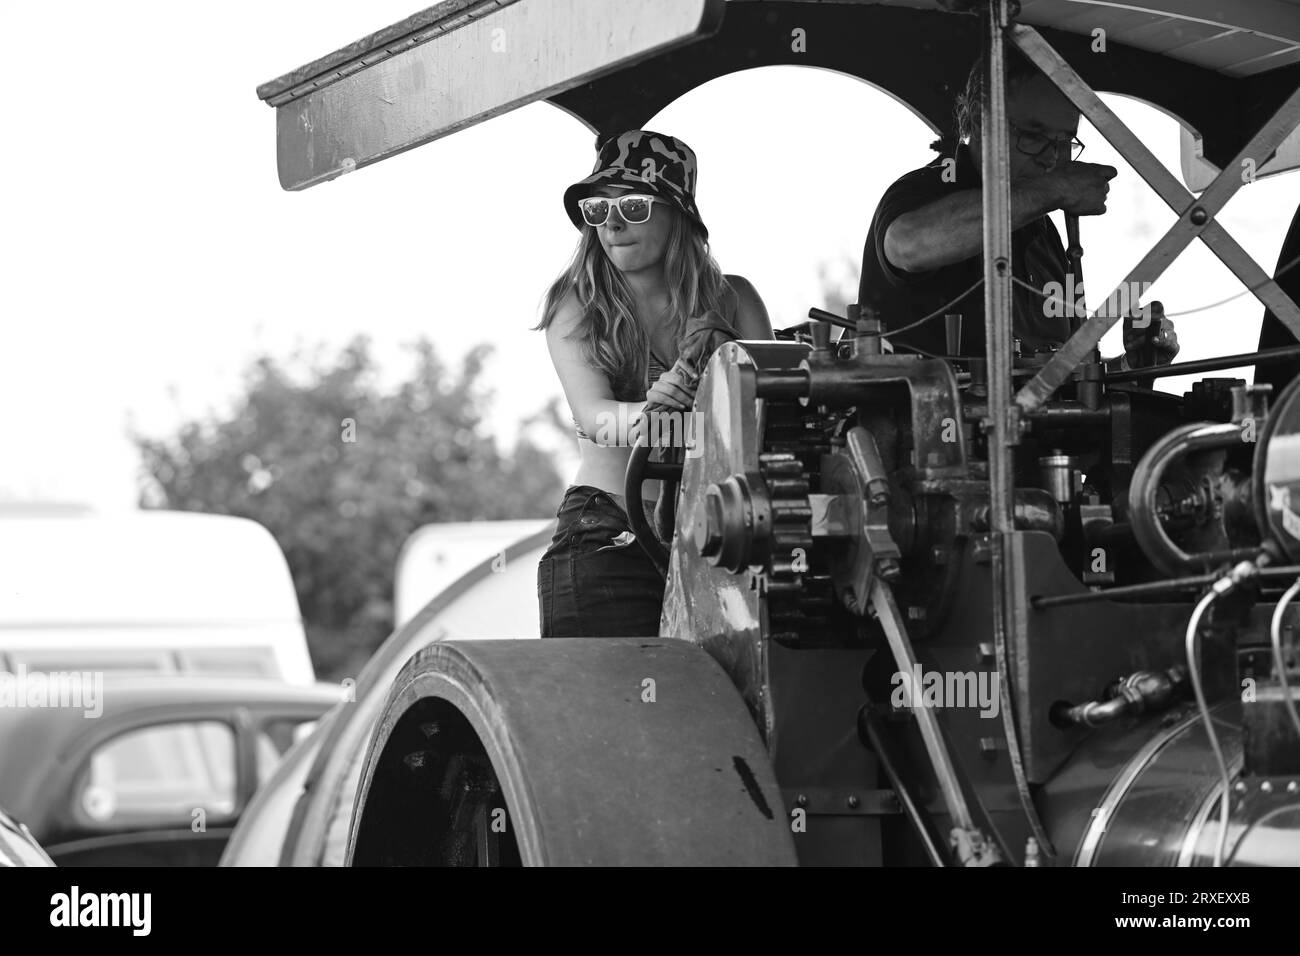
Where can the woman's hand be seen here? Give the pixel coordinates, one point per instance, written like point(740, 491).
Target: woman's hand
point(675, 388)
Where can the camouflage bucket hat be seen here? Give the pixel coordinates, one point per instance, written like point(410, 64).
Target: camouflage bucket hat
point(643, 162)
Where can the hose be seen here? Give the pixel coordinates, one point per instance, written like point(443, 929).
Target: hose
point(1279, 665)
point(1194, 670)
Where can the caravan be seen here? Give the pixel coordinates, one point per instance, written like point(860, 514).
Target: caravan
point(147, 592)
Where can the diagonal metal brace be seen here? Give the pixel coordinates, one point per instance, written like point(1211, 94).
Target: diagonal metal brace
point(1195, 217)
point(966, 832)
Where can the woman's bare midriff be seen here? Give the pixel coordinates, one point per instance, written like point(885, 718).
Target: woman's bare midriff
point(605, 467)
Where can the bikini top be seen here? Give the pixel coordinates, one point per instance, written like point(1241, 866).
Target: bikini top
point(654, 369)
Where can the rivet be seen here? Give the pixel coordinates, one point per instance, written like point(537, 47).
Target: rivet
point(1199, 216)
point(1266, 787)
point(853, 801)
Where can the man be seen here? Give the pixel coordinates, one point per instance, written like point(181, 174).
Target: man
point(926, 240)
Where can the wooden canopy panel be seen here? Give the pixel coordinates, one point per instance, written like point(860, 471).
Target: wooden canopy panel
point(472, 63)
point(1221, 67)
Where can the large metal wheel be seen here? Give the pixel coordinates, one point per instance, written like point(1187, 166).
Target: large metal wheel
point(583, 751)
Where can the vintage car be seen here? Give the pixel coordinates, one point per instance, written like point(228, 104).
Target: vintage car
point(136, 770)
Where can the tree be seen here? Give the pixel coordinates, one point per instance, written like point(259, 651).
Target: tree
point(342, 472)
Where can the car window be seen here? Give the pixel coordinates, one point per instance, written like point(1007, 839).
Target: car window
point(161, 775)
point(274, 740)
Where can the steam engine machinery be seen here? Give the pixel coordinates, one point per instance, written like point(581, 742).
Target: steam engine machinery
point(835, 534)
point(1011, 609)
point(832, 685)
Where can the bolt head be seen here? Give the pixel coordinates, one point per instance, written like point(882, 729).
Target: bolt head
point(853, 801)
point(1266, 787)
point(1199, 216)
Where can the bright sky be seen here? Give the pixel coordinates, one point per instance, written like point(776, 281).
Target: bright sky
point(149, 252)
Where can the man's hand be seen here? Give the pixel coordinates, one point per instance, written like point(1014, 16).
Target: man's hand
point(1081, 188)
point(1152, 329)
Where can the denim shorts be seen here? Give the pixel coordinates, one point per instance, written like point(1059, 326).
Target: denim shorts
point(595, 580)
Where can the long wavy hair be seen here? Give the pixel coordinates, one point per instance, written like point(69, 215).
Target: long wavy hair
point(611, 338)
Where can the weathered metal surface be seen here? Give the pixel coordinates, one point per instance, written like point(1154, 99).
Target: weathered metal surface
point(818, 755)
point(724, 612)
point(488, 65)
point(608, 751)
point(879, 42)
point(932, 395)
point(1002, 424)
point(1146, 794)
point(416, 29)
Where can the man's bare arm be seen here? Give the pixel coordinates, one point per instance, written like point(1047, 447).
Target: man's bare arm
point(951, 229)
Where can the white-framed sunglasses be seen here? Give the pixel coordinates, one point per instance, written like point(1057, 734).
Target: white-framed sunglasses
point(634, 208)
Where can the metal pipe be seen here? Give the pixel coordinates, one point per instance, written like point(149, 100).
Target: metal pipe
point(1207, 365)
point(1003, 424)
point(995, 173)
point(821, 315)
point(781, 383)
point(1094, 713)
point(1279, 665)
point(1139, 693)
point(1074, 261)
point(1144, 516)
point(869, 726)
point(1128, 590)
point(1193, 668)
point(1151, 588)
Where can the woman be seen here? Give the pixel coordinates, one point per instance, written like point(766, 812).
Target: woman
point(613, 321)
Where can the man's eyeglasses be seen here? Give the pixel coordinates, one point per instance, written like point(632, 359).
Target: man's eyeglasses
point(634, 208)
point(1038, 145)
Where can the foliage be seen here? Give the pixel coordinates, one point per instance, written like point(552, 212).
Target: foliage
point(342, 472)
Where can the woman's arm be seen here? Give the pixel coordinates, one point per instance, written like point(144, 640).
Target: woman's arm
point(752, 321)
point(591, 400)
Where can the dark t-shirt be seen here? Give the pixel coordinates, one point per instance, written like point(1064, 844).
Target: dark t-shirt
point(1038, 257)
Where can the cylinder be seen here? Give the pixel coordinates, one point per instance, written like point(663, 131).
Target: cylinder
point(1057, 471)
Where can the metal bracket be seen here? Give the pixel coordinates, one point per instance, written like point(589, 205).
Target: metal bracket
point(840, 802)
